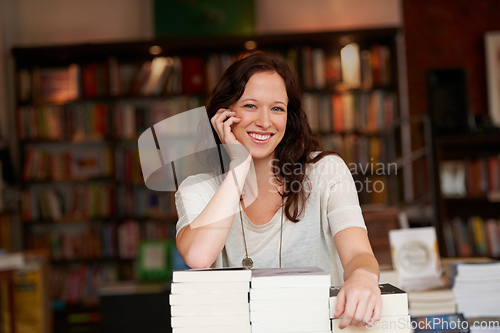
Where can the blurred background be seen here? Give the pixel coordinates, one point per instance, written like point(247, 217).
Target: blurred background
point(407, 91)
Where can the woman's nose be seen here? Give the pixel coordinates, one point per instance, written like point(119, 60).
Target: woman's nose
point(263, 119)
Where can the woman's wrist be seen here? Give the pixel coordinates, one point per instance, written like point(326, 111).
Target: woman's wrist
point(365, 273)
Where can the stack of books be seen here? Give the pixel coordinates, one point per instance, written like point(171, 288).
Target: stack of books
point(432, 302)
point(477, 289)
point(394, 316)
point(210, 301)
point(289, 300)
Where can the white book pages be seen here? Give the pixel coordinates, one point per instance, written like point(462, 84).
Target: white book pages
point(291, 327)
point(296, 315)
point(209, 287)
point(289, 293)
point(209, 309)
point(213, 329)
point(216, 320)
point(212, 275)
point(192, 299)
point(289, 277)
point(287, 304)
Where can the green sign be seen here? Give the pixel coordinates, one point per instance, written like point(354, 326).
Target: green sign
point(175, 18)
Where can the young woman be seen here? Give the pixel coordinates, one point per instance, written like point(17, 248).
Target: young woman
point(283, 202)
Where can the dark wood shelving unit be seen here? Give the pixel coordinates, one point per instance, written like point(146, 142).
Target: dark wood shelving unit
point(464, 148)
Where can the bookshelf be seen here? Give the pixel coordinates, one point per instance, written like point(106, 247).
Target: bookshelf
point(468, 200)
point(81, 108)
point(8, 214)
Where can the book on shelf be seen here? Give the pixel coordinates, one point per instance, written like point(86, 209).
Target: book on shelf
point(11, 261)
point(470, 177)
point(30, 299)
point(141, 78)
point(95, 77)
point(367, 112)
point(56, 85)
point(333, 70)
point(87, 122)
point(66, 164)
point(473, 236)
point(193, 75)
point(351, 67)
point(40, 122)
point(122, 77)
point(158, 73)
point(129, 236)
point(5, 232)
point(78, 283)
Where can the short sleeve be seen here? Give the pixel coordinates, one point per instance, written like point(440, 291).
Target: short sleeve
point(343, 206)
point(191, 198)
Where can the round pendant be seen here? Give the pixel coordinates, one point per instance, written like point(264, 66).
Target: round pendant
point(247, 262)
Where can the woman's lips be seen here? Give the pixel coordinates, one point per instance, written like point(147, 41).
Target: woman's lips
point(260, 138)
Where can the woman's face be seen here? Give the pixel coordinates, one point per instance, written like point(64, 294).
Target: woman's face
point(263, 112)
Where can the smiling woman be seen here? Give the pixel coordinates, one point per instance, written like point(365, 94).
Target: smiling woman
point(284, 201)
point(262, 113)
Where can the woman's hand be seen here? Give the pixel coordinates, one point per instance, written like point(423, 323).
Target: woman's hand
point(222, 122)
point(359, 301)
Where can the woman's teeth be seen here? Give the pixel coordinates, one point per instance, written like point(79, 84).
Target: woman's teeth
point(261, 137)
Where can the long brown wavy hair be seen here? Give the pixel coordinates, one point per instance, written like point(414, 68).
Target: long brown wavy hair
point(295, 150)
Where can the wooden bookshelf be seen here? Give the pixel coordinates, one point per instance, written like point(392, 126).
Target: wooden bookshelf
point(82, 107)
point(467, 175)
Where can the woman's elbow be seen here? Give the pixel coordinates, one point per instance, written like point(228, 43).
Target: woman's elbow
point(196, 260)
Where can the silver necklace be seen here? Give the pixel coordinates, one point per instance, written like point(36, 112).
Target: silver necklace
point(247, 261)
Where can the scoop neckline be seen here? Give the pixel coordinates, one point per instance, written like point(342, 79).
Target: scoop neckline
point(263, 227)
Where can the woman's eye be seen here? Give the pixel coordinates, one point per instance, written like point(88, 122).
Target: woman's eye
point(249, 106)
point(277, 108)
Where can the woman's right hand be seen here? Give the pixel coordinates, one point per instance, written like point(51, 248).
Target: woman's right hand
point(222, 122)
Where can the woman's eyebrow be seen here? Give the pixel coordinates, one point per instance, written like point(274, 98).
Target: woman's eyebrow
point(254, 100)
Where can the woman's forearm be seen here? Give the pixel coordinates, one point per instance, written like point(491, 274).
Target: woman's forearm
point(362, 263)
point(203, 239)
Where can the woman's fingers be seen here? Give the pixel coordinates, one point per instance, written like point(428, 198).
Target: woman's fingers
point(222, 122)
point(369, 315)
point(377, 312)
point(360, 308)
point(226, 126)
point(339, 308)
point(349, 313)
